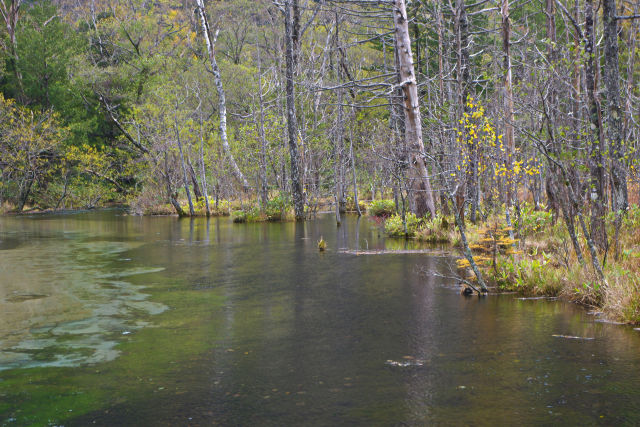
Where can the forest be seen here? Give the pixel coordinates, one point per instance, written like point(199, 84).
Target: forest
point(505, 128)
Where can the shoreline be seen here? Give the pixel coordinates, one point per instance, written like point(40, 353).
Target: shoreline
point(534, 271)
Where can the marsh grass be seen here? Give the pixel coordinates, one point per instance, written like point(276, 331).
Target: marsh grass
point(546, 264)
point(540, 260)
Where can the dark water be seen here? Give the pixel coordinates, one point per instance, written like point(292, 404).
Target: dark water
point(114, 320)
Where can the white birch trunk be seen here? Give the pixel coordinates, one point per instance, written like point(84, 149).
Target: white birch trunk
point(222, 102)
point(420, 183)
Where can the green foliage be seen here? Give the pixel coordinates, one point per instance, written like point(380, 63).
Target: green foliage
point(631, 219)
point(31, 145)
point(278, 208)
point(394, 226)
point(248, 215)
point(532, 222)
point(435, 230)
point(350, 205)
point(529, 276)
point(383, 208)
point(46, 48)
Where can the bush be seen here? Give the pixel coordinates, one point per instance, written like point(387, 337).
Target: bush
point(529, 276)
point(436, 230)
point(531, 221)
point(351, 205)
point(248, 215)
point(278, 208)
point(385, 208)
point(394, 227)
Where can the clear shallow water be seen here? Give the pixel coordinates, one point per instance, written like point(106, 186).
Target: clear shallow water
point(157, 321)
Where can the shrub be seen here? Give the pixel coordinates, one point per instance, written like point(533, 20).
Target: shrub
point(394, 226)
point(385, 207)
point(351, 205)
point(278, 208)
point(529, 276)
point(531, 221)
point(436, 230)
point(248, 215)
point(239, 216)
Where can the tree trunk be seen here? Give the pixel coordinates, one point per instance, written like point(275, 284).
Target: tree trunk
point(338, 151)
point(468, 188)
point(194, 181)
point(222, 103)
point(25, 190)
point(295, 31)
point(353, 170)
point(264, 187)
point(185, 180)
point(614, 114)
point(420, 183)
point(466, 250)
point(171, 195)
point(508, 112)
point(339, 137)
point(632, 42)
point(292, 125)
point(597, 190)
point(203, 173)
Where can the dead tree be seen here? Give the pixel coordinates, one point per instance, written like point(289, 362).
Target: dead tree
point(419, 174)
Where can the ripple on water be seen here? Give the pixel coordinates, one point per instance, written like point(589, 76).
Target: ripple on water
point(20, 297)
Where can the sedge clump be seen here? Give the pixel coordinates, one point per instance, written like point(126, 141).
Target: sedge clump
point(322, 244)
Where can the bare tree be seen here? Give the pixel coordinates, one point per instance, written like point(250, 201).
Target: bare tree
point(210, 39)
point(614, 114)
point(420, 183)
point(292, 123)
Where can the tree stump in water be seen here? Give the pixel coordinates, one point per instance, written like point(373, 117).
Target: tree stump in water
point(466, 290)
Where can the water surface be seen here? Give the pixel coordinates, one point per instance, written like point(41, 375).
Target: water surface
point(120, 320)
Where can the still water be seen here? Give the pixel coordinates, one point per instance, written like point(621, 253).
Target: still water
point(108, 319)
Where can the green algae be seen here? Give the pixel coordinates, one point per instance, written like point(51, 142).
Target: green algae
point(148, 359)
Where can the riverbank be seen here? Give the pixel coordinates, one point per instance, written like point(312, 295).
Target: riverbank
point(535, 257)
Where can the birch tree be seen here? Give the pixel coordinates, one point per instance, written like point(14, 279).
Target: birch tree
point(210, 39)
point(421, 191)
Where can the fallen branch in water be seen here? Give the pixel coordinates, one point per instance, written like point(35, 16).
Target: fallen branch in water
point(571, 337)
point(456, 278)
point(431, 252)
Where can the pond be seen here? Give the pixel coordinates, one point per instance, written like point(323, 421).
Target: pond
point(108, 319)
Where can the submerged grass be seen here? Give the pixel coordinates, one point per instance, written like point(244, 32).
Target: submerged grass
point(148, 364)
